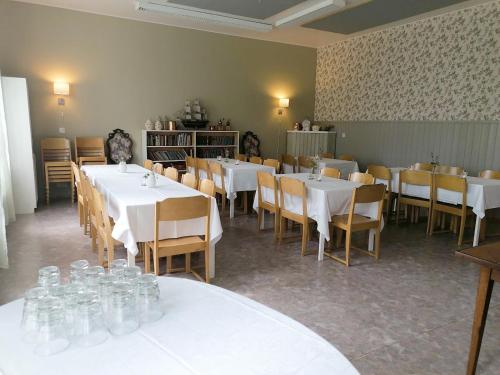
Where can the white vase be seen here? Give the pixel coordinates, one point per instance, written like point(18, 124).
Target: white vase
point(151, 180)
point(158, 125)
point(149, 125)
point(122, 167)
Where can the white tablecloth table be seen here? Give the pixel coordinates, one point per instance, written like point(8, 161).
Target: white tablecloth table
point(206, 330)
point(238, 177)
point(344, 166)
point(325, 198)
point(132, 208)
point(482, 194)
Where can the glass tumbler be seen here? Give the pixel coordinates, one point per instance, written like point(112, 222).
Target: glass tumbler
point(51, 338)
point(29, 322)
point(148, 299)
point(71, 295)
point(123, 314)
point(106, 284)
point(117, 266)
point(76, 270)
point(49, 276)
point(131, 274)
point(89, 326)
point(91, 277)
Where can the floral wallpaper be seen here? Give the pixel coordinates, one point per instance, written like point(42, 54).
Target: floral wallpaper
point(441, 68)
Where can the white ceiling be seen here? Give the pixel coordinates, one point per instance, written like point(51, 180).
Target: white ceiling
point(290, 34)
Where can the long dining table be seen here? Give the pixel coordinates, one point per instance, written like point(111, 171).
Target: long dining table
point(482, 194)
point(325, 198)
point(132, 207)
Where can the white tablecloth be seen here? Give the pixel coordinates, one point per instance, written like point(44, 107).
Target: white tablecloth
point(132, 206)
point(344, 166)
point(325, 198)
point(206, 330)
point(238, 177)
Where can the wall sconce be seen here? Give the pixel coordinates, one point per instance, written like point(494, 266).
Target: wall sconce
point(61, 88)
point(283, 103)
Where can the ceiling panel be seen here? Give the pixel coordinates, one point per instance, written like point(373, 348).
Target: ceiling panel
point(259, 9)
point(376, 13)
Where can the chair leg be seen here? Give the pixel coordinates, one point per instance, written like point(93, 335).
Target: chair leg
point(245, 202)
point(377, 244)
point(433, 221)
point(347, 247)
point(169, 264)
point(462, 227)
point(147, 259)
point(207, 265)
point(282, 226)
point(259, 218)
point(188, 263)
point(111, 252)
point(397, 211)
point(100, 251)
point(276, 225)
point(482, 230)
point(156, 262)
point(93, 236)
point(340, 233)
point(72, 187)
point(305, 235)
point(223, 202)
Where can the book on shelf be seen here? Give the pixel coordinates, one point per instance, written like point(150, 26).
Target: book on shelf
point(180, 139)
point(215, 140)
point(167, 155)
point(213, 153)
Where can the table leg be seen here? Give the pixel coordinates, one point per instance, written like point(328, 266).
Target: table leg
point(231, 207)
point(130, 259)
point(321, 247)
point(263, 219)
point(477, 231)
point(371, 239)
point(482, 303)
point(212, 261)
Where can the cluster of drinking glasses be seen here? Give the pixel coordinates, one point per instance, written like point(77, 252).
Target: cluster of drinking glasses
point(93, 304)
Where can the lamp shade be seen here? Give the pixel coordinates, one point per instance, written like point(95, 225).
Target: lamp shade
point(61, 88)
point(284, 103)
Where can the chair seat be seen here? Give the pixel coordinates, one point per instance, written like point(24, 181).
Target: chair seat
point(359, 222)
point(452, 208)
point(185, 245)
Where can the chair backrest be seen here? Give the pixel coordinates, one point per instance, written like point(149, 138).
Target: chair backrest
point(92, 160)
point(190, 180)
point(267, 180)
point(89, 146)
point(423, 167)
point(272, 163)
point(415, 177)
point(490, 174)
point(330, 172)
point(380, 172)
point(158, 168)
point(363, 178)
point(367, 194)
point(305, 163)
point(76, 173)
point(256, 160)
point(148, 164)
point(452, 183)
point(288, 159)
point(101, 213)
point(346, 157)
point(241, 157)
point(217, 173)
point(55, 149)
point(327, 155)
point(87, 193)
point(202, 165)
point(445, 169)
point(207, 187)
point(184, 208)
point(171, 173)
point(293, 187)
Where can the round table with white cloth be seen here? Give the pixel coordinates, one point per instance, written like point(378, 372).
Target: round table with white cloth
point(206, 330)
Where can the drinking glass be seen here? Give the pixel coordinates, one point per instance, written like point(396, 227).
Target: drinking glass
point(76, 270)
point(91, 277)
point(89, 325)
point(131, 274)
point(51, 338)
point(49, 276)
point(123, 316)
point(71, 296)
point(29, 322)
point(148, 299)
point(106, 284)
point(117, 266)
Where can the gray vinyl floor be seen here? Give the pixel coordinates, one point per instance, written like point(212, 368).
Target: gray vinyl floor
point(409, 313)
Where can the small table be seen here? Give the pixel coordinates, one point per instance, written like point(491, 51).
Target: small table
point(488, 257)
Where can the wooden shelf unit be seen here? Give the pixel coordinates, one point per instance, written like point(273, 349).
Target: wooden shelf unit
point(170, 147)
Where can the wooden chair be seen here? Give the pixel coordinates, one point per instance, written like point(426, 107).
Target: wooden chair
point(217, 173)
point(90, 210)
point(190, 180)
point(104, 228)
point(171, 173)
point(173, 209)
point(56, 160)
point(306, 164)
point(346, 157)
point(255, 160)
point(363, 178)
point(89, 150)
point(294, 188)
point(79, 193)
point(148, 164)
point(383, 173)
point(353, 222)
point(327, 155)
point(330, 172)
point(207, 187)
point(158, 168)
point(202, 169)
point(423, 167)
point(451, 183)
point(445, 169)
point(268, 181)
point(419, 178)
point(191, 165)
point(490, 174)
point(288, 163)
point(272, 163)
point(241, 157)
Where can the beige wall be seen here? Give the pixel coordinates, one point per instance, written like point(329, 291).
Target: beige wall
point(122, 72)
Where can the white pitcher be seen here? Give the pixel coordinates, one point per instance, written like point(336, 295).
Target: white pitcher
point(122, 167)
point(151, 180)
